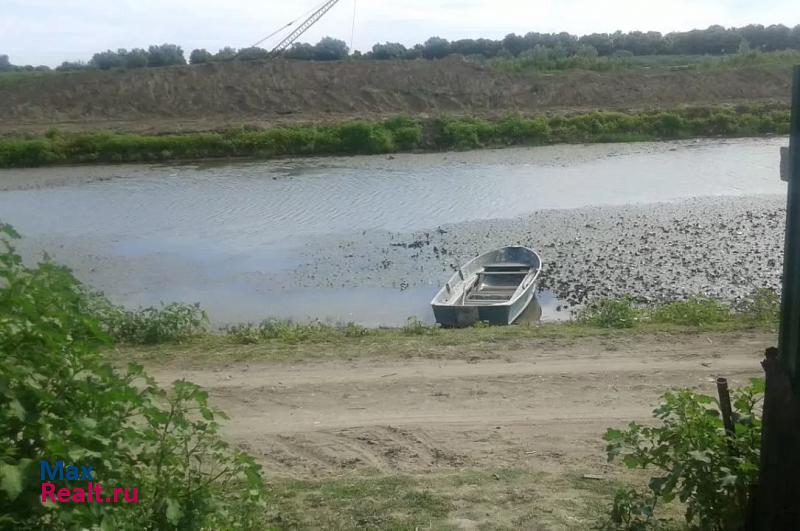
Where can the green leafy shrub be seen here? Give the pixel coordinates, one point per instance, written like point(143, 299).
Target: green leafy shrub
point(697, 462)
point(610, 313)
point(171, 323)
point(60, 401)
point(696, 311)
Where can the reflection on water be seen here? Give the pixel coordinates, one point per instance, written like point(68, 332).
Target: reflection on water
point(227, 234)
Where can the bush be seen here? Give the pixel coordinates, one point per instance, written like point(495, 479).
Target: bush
point(693, 312)
point(60, 401)
point(710, 471)
point(171, 323)
point(610, 313)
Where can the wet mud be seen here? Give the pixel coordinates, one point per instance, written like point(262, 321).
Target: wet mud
point(723, 248)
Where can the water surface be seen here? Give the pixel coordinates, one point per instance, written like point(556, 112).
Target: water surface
point(234, 236)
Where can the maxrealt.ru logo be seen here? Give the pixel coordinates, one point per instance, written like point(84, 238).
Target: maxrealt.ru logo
point(92, 493)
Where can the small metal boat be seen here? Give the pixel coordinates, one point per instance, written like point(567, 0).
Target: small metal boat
point(496, 287)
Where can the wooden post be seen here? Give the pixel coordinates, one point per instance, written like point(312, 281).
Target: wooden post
point(776, 505)
point(789, 340)
point(725, 406)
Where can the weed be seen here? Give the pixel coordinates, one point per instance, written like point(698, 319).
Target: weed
point(415, 327)
point(696, 311)
point(610, 313)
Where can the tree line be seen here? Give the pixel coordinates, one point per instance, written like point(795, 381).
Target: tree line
point(714, 40)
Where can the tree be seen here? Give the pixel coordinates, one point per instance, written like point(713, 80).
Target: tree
point(330, 49)
point(300, 50)
point(69, 66)
point(107, 60)
point(599, 41)
point(225, 54)
point(414, 53)
point(200, 56)
point(484, 47)
point(435, 48)
point(586, 50)
point(5, 64)
point(514, 44)
point(136, 58)
point(389, 50)
point(252, 54)
point(165, 55)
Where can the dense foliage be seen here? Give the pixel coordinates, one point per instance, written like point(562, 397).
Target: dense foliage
point(60, 400)
point(397, 134)
point(707, 469)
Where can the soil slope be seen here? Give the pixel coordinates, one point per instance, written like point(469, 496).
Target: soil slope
point(204, 97)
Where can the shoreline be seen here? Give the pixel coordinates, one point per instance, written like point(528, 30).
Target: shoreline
point(400, 134)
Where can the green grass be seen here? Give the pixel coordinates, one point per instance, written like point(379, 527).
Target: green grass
point(394, 135)
point(761, 308)
point(490, 498)
point(282, 341)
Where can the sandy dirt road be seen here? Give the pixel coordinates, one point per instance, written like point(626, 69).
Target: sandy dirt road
point(543, 405)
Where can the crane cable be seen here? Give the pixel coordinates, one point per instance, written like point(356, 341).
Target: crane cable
point(353, 26)
point(290, 23)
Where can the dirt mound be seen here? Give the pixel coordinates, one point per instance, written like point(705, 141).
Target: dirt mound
point(215, 95)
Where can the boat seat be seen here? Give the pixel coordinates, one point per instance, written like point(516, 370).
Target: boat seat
point(494, 293)
point(514, 267)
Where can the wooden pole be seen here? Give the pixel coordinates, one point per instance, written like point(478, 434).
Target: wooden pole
point(789, 340)
point(776, 505)
point(725, 406)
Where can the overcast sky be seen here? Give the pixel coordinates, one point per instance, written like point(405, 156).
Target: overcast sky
point(51, 31)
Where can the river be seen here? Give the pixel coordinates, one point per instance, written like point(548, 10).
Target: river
point(329, 238)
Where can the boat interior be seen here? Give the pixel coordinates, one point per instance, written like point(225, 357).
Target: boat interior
point(495, 283)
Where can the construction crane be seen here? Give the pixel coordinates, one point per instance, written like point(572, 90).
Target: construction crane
point(307, 23)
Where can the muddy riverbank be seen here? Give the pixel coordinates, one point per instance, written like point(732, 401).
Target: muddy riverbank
point(722, 248)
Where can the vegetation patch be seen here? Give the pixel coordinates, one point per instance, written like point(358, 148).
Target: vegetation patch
point(393, 135)
point(709, 470)
point(60, 400)
point(760, 308)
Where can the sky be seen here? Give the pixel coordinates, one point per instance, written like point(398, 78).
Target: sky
point(51, 31)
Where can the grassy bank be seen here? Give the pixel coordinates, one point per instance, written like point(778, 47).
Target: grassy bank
point(279, 341)
point(395, 135)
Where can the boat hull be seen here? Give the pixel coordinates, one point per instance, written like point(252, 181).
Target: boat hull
point(462, 316)
point(453, 308)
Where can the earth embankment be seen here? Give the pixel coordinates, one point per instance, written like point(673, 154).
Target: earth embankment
point(214, 96)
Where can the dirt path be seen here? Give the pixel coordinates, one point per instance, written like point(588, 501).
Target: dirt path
point(544, 405)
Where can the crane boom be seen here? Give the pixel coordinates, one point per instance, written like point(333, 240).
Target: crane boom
point(307, 23)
